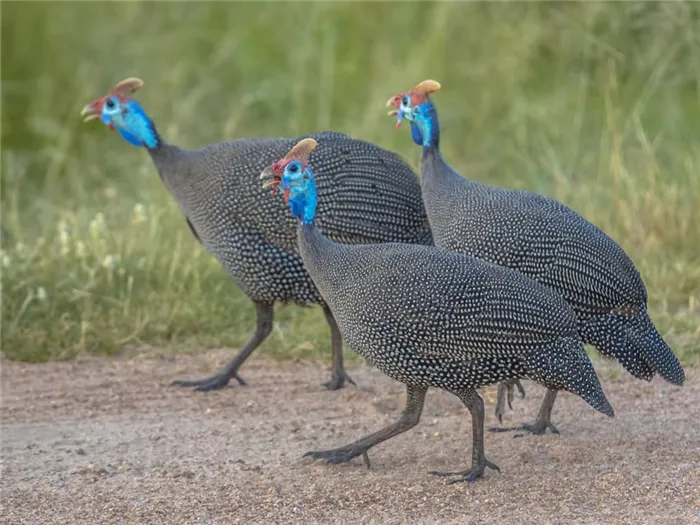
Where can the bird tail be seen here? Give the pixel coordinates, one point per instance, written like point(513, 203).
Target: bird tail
point(563, 364)
point(636, 344)
point(647, 341)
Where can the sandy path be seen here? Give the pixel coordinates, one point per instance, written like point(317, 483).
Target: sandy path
point(106, 441)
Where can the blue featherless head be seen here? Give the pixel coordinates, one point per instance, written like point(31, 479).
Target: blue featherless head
point(118, 111)
point(416, 107)
point(293, 174)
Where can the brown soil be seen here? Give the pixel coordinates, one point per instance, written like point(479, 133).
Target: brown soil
point(105, 441)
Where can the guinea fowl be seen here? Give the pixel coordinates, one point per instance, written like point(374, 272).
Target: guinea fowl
point(370, 195)
point(546, 241)
point(429, 317)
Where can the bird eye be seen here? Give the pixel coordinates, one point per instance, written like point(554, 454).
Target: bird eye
point(405, 101)
point(293, 168)
point(110, 103)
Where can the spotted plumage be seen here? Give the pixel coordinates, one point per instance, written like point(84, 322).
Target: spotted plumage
point(369, 195)
point(429, 317)
point(544, 240)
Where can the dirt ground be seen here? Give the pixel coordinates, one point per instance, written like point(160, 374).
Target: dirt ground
point(106, 441)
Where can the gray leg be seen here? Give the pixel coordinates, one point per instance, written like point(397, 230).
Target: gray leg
point(265, 317)
point(415, 398)
point(339, 374)
point(475, 404)
point(544, 418)
point(506, 388)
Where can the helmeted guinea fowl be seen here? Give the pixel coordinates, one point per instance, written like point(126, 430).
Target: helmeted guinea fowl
point(546, 241)
point(429, 317)
point(370, 195)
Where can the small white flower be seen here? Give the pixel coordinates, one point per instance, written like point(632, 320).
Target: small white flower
point(64, 237)
point(109, 262)
point(97, 225)
point(63, 233)
point(6, 261)
point(41, 293)
point(94, 229)
point(80, 249)
point(139, 214)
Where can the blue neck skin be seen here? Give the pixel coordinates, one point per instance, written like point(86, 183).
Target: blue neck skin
point(425, 127)
point(135, 126)
point(303, 201)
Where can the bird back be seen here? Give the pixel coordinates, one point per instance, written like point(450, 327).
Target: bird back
point(366, 194)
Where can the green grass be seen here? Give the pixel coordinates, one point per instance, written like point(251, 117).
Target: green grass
point(595, 104)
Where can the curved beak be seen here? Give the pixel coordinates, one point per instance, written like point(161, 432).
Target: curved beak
point(271, 179)
point(91, 111)
point(267, 173)
point(394, 101)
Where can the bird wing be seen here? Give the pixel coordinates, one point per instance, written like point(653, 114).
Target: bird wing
point(440, 303)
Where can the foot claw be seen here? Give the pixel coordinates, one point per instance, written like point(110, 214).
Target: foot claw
point(502, 429)
point(339, 455)
point(468, 475)
point(469, 478)
point(209, 387)
point(444, 474)
point(338, 380)
point(537, 428)
point(208, 384)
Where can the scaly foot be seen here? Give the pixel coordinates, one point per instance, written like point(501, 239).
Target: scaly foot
point(207, 384)
point(537, 428)
point(338, 380)
point(340, 455)
point(469, 475)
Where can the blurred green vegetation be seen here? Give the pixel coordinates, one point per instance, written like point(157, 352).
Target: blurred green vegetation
point(595, 104)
